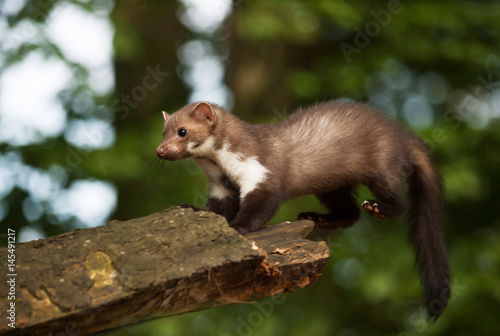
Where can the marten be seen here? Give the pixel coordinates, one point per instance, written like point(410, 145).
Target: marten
point(327, 150)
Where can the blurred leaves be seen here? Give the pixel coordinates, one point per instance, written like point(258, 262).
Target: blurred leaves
point(280, 55)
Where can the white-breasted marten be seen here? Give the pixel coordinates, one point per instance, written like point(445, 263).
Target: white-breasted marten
point(326, 150)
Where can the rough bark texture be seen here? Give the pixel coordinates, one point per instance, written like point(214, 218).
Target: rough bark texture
point(167, 263)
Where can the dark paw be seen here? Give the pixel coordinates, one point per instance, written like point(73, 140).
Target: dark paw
point(188, 206)
point(241, 229)
point(373, 208)
point(321, 222)
point(312, 216)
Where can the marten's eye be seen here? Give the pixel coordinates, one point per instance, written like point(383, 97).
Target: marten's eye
point(182, 132)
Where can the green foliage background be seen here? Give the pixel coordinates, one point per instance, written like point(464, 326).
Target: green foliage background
point(279, 55)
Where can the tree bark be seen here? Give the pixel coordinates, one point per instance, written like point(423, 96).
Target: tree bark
point(167, 263)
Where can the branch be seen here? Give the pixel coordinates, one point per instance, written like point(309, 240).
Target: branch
point(167, 263)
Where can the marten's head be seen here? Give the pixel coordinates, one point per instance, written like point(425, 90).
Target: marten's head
point(186, 131)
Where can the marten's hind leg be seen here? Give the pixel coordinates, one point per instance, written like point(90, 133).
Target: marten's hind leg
point(342, 208)
point(390, 201)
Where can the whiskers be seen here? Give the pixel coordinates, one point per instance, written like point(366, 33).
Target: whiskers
point(153, 168)
point(158, 171)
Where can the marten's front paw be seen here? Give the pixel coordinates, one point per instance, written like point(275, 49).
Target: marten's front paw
point(188, 206)
point(372, 207)
point(241, 229)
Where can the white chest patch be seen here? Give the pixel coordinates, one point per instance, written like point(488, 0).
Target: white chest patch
point(246, 172)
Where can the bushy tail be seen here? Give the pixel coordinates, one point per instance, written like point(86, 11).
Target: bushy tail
point(426, 232)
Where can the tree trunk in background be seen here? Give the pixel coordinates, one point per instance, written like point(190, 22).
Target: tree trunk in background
point(146, 42)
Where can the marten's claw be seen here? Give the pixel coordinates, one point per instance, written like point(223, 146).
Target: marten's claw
point(321, 222)
point(188, 206)
point(372, 208)
point(312, 216)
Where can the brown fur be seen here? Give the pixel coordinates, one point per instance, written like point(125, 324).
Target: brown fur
point(327, 150)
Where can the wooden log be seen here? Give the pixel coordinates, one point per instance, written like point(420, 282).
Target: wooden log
point(167, 263)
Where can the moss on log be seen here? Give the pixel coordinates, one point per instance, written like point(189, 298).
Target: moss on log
point(167, 263)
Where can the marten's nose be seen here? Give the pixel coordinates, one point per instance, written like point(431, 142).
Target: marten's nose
point(160, 152)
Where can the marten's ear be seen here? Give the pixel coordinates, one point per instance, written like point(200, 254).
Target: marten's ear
point(166, 116)
point(204, 113)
